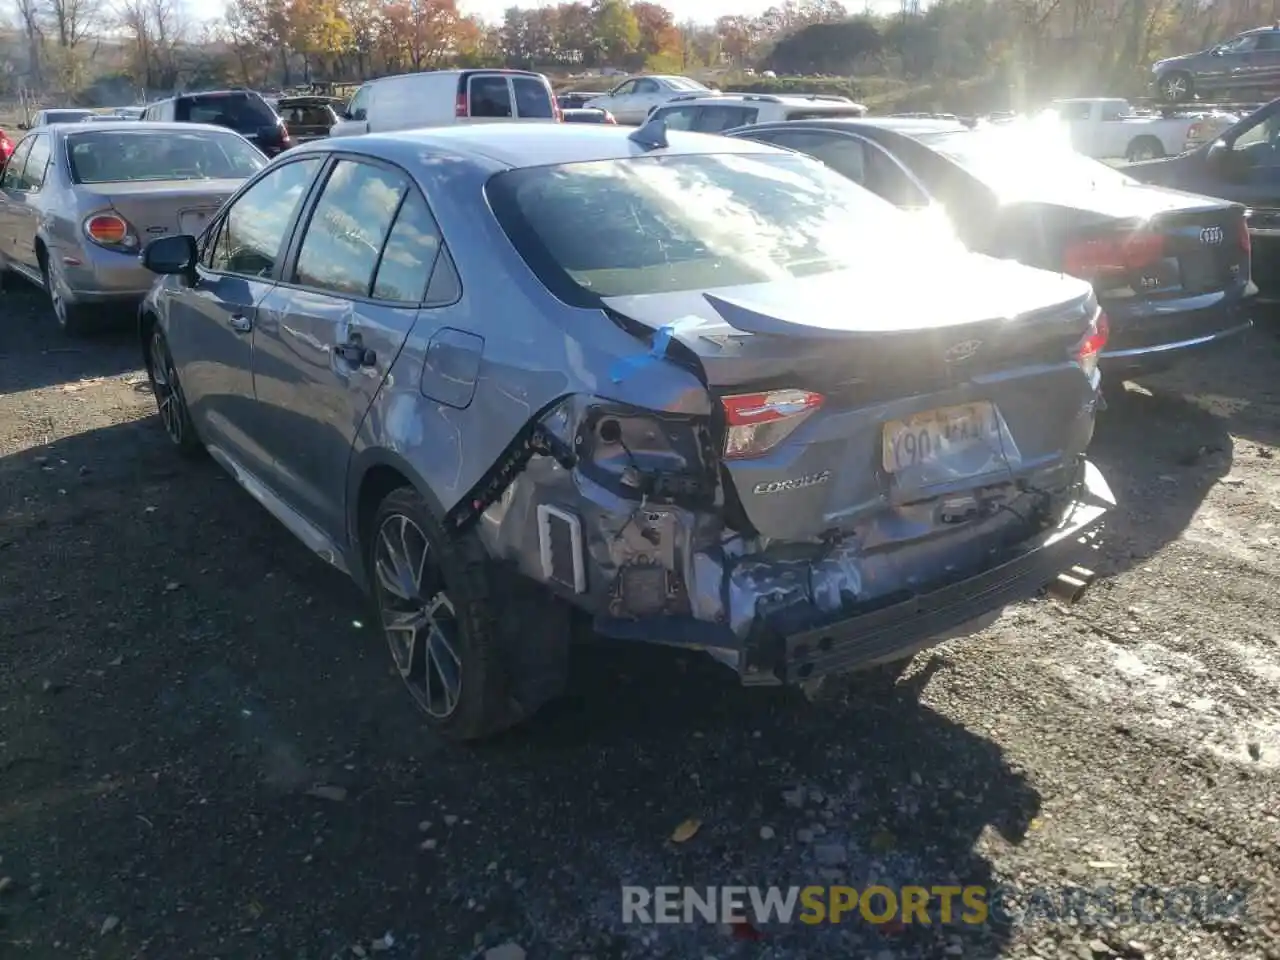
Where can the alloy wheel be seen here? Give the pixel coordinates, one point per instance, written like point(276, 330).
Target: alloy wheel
point(418, 617)
point(1175, 87)
point(164, 384)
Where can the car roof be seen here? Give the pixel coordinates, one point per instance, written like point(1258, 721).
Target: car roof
point(515, 145)
point(134, 126)
point(455, 73)
point(787, 99)
point(907, 126)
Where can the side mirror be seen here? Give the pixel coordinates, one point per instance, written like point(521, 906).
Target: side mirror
point(1216, 156)
point(24, 126)
point(171, 256)
point(1216, 52)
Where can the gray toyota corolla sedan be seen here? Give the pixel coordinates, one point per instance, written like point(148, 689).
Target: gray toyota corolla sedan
point(78, 201)
point(694, 391)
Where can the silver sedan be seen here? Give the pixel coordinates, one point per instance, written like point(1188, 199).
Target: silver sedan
point(78, 201)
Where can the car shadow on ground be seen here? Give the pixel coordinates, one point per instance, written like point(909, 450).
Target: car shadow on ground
point(34, 353)
point(222, 673)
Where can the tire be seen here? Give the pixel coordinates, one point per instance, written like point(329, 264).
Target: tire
point(171, 403)
point(1175, 86)
point(1144, 148)
point(74, 319)
point(455, 651)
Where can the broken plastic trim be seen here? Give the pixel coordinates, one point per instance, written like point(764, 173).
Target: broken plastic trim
point(534, 439)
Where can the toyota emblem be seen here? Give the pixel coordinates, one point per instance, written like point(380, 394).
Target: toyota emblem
point(1211, 236)
point(961, 351)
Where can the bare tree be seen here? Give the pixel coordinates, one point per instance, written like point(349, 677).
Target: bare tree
point(155, 28)
point(31, 17)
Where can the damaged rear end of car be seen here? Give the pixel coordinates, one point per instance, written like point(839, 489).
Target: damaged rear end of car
point(882, 441)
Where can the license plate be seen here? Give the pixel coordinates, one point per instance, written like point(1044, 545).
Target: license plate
point(938, 435)
point(193, 222)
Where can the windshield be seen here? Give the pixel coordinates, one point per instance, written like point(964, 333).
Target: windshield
point(662, 224)
point(118, 156)
point(1010, 160)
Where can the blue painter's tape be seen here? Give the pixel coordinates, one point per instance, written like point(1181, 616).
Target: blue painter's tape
point(626, 366)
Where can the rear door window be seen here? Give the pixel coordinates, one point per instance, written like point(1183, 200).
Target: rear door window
point(410, 253)
point(533, 99)
point(679, 118)
point(348, 227)
point(490, 96)
point(715, 119)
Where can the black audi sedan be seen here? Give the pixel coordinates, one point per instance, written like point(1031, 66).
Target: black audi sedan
point(1171, 269)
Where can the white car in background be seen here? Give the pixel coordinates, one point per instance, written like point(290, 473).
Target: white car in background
point(632, 99)
point(1108, 127)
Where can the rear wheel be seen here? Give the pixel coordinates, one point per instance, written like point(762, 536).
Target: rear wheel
point(436, 611)
point(1144, 148)
point(1175, 86)
point(74, 318)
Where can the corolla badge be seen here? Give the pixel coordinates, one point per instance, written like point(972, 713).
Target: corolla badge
point(963, 350)
point(1211, 236)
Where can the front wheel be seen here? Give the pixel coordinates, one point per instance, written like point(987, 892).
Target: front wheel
point(171, 403)
point(1175, 87)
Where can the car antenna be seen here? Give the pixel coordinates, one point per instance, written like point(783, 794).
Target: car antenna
point(652, 134)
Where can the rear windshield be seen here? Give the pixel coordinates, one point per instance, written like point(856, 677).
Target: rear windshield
point(237, 111)
point(1010, 159)
point(662, 224)
point(817, 113)
point(66, 116)
point(118, 156)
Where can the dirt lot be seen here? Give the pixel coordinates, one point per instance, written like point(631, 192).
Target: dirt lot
point(177, 676)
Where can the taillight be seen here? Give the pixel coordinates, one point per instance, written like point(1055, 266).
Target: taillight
point(1099, 257)
point(110, 230)
point(1193, 131)
point(1093, 343)
point(758, 422)
point(609, 117)
point(461, 107)
point(556, 115)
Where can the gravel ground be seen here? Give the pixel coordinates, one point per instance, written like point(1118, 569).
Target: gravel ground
point(203, 752)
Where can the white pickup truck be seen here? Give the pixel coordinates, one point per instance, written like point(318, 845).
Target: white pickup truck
point(1105, 128)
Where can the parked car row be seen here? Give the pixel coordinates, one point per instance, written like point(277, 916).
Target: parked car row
point(809, 395)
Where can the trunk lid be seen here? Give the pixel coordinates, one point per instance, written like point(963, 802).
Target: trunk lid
point(160, 208)
point(988, 343)
point(1157, 243)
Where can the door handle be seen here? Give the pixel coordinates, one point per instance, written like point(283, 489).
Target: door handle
point(354, 352)
point(241, 323)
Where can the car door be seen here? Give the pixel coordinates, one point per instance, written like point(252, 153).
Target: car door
point(619, 102)
point(211, 321)
point(1231, 67)
point(359, 273)
point(1268, 59)
point(355, 118)
point(12, 199)
point(647, 95)
point(25, 197)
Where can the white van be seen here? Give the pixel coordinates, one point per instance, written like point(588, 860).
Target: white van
point(443, 97)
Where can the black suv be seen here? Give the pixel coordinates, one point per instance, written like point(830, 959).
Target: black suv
point(243, 111)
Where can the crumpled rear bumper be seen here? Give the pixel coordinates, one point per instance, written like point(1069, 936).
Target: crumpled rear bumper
point(897, 625)
point(913, 623)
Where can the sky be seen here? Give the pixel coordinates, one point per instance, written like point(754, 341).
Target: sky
point(703, 11)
